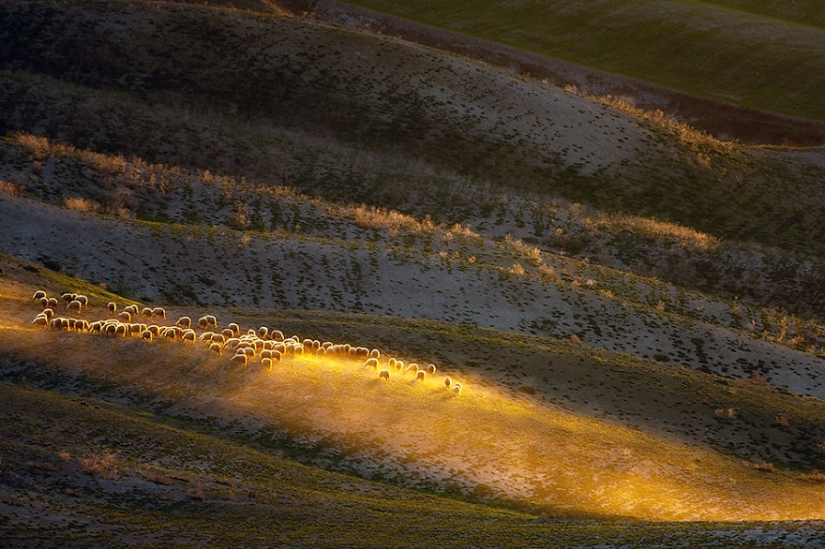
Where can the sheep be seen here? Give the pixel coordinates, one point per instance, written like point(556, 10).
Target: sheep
point(206, 336)
point(391, 363)
point(266, 353)
point(248, 351)
point(74, 306)
point(207, 321)
point(121, 330)
point(81, 325)
point(146, 312)
point(53, 303)
point(82, 299)
point(267, 363)
point(276, 356)
point(218, 338)
point(236, 330)
point(67, 297)
point(159, 311)
point(38, 295)
point(399, 365)
point(44, 302)
point(375, 353)
point(96, 327)
point(385, 375)
point(239, 360)
point(448, 382)
point(147, 335)
point(184, 322)
point(413, 367)
point(232, 343)
point(48, 313)
point(227, 333)
point(136, 329)
point(457, 389)
point(154, 328)
point(189, 336)
point(40, 321)
point(431, 369)
point(263, 331)
point(421, 375)
point(276, 335)
point(111, 307)
point(125, 316)
point(131, 309)
point(215, 348)
point(371, 362)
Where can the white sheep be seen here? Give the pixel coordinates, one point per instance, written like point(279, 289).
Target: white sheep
point(40, 321)
point(81, 325)
point(263, 331)
point(371, 362)
point(448, 382)
point(267, 363)
point(146, 312)
point(38, 295)
point(82, 299)
point(124, 316)
point(412, 367)
point(53, 303)
point(67, 297)
point(111, 307)
point(276, 356)
point(431, 369)
point(399, 365)
point(239, 360)
point(236, 330)
point(189, 336)
point(147, 335)
point(276, 335)
point(218, 338)
point(131, 309)
point(421, 375)
point(74, 306)
point(206, 337)
point(385, 375)
point(48, 313)
point(457, 389)
point(184, 322)
point(375, 353)
point(159, 311)
point(215, 348)
point(44, 302)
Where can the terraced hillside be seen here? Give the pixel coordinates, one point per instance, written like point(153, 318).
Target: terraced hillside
point(632, 305)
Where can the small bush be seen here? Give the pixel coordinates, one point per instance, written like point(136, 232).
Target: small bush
point(103, 465)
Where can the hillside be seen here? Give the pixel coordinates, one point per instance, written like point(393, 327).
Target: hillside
point(632, 307)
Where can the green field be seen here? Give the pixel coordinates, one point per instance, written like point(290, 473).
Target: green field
point(762, 55)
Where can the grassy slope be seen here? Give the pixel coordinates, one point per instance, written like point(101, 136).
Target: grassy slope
point(761, 55)
point(154, 124)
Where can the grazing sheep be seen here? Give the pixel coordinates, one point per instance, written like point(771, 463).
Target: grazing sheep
point(38, 295)
point(81, 325)
point(40, 321)
point(249, 351)
point(385, 375)
point(159, 311)
point(146, 312)
point(74, 306)
point(391, 363)
point(184, 322)
point(266, 353)
point(239, 360)
point(227, 333)
point(131, 309)
point(399, 365)
point(67, 297)
point(82, 299)
point(448, 382)
point(267, 363)
point(371, 362)
point(206, 336)
point(375, 353)
point(421, 375)
point(154, 328)
point(53, 303)
point(236, 330)
point(189, 336)
point(122, 330)
point(125, 316)
point(44, 302)
point(111, 307)
point(48, 313)
point(147, 335)
point(457, 389)
point(218, 338)
point(276, 356)
point(263, 331)
point(413, 367)
point(276, 335)
point(430, 369)
point(215, 348)
point(232, 343)
point(96, 327)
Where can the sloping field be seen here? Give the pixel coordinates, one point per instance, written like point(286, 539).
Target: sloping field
point(758, 54)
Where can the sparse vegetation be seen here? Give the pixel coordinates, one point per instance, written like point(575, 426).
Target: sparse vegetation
point(590, 269)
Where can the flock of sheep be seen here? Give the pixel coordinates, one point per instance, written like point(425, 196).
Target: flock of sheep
point(257, 344)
